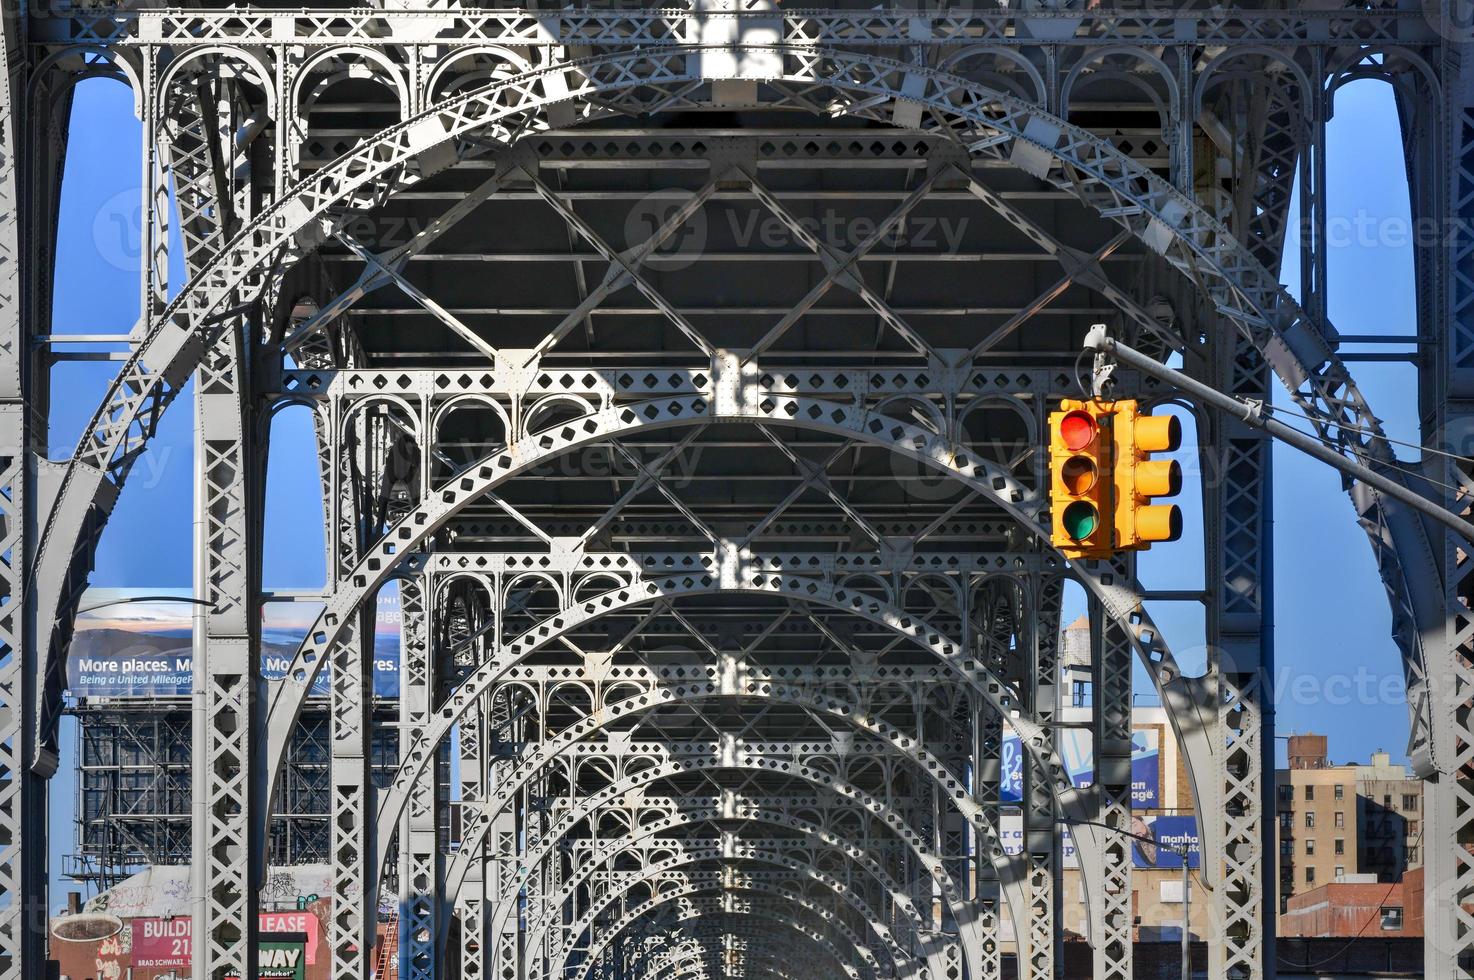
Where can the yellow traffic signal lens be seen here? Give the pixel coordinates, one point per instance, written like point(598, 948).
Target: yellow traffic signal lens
point(1080, 520)
point(1158, 433)
point(1078, 474)
point(1158, 478)
point(1159, 522)
point(1077, 430)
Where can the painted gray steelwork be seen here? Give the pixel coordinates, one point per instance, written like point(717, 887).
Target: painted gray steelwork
point(686, 370)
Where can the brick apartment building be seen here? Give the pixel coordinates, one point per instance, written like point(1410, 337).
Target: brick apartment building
point(1343, 824)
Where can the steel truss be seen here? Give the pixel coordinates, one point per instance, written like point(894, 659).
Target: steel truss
point(720, 564)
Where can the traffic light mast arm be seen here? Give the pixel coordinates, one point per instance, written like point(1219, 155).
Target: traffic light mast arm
point(1252, 414)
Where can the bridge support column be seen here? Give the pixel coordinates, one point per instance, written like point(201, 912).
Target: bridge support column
point(1111, 658)
point(226, 782)
point(420, 873)
point(1241, 666)
point(23, 791)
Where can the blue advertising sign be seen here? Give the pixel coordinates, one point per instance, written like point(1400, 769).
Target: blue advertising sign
point(1077, 752)
point(1146, 769)
point(1011, 835)
point(138, 643)
point(1172, 835)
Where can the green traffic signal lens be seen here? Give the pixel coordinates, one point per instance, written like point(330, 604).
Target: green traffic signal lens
point(1080, 520)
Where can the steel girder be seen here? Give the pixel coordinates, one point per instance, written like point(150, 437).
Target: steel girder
point(751, 814)
point(62, 510)
point(649, 848)
point(1254, 300)
point(685, 915)
point(674, 907)
point(22, 792)
point(794, 948)
point(782, 866)
point(786, 944)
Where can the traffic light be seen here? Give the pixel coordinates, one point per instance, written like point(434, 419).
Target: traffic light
point(1102, 479)
point(1139, 479)
point(1080, 478)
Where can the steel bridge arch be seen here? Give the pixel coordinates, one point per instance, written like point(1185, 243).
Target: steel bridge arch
point(150, 379)
point(694, 901)
point(774, 904)
point(708, 853)
point(692, 885)
point(830, 844)
point(770, 957)
point(396, 552)
point(777, 952)
point(1192, 241)
point(415, 757)
point(592, 805)
point(475, 838)
point(771, 954)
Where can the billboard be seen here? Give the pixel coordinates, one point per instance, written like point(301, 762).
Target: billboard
point(281, 958)
point(1176, 832)
point(138, 643)
point(165, 943)
point(1076, 750)
point(1011, 830)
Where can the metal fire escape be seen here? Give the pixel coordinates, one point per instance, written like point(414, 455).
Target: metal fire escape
point(686, 368)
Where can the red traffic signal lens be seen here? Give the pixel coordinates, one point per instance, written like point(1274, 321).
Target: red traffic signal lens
point(1078, 474)
point(1080, 520)
point(1077, 430)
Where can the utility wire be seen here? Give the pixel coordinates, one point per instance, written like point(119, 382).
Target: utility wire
point(1276, 410)
point(1391, 466)
point(1378, 911)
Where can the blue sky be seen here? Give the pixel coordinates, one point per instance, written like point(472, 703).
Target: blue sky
point(1332, 626)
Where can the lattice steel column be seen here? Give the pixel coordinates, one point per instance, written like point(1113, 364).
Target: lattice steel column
point(1241, 665)
point(501, 866)
point(355, 898)
point(1041, 833)
point(22, 791)
point(470, 905)
point(1447, 763)
point(419, 853)
point(987, 898)
point(1111, 657)
point(228, 690)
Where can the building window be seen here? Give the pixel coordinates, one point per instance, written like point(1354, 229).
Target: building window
point(1287, 847)
point(1409, 803)
point(1340, 792)
point(1310, 845)
point(1340, 846)
point(1340, 819)
point(1340, 872)
point(1309, 791)
point(1287, 820)
point(1412, 828)
point(1386, 801)
point(1392, 918)
point(1310, 876)
point(1310, 818)
point(1287, 794)
point(1412, 855)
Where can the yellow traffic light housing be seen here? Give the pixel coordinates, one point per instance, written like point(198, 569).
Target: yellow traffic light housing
point(1080, 479)
point(1102, 479)
point(1139, 479)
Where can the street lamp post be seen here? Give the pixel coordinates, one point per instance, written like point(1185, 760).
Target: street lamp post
point(1181, 851)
